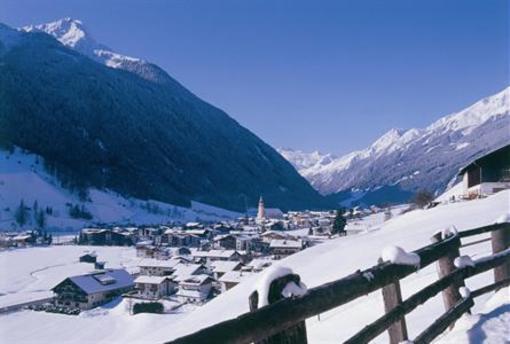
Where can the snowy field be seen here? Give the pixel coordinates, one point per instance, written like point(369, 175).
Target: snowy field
point(317, 265)
point(28, 274)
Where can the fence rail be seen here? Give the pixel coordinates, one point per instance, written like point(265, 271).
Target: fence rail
point(270, 323)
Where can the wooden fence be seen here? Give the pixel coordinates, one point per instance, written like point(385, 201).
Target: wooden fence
point(283, 320)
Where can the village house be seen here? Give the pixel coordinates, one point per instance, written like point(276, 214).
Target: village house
point(157, 267)
point(206, 257)
point(219, 268)
point(154, 287)
point(195, 289)
point(225, 242)
point(182, 271)
point(243, 243)
point(146, 249)
point(232, 278)
point(269, 236)
point(487, 174)
point(92, 290)
point(283, 248)
point(258, 264)
point(105, 237)
point(182, 239)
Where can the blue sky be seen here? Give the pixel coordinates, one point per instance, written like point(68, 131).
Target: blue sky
point(327, 75)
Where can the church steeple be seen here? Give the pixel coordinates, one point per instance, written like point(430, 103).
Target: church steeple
point(261, 214)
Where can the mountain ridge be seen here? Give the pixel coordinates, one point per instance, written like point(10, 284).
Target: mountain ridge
point(393, 159)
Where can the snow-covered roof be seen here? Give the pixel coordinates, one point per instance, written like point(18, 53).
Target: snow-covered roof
point(197, 279)
point(259, 263)
point(286, 243)
point(214, 254)
point(106, 280)
point(151, 279)
point(22, 237)
point(183, 271)
point(235, 276)
point(222, 236)
point(169, 263)
point(224, 266)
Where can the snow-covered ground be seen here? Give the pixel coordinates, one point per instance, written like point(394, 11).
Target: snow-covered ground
point(22, 177)
point(340, 257)
point(317, 265)
point(28, 274)
point(492, 325)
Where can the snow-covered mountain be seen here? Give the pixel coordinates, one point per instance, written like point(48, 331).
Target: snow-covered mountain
point(412, 159)
point(73, 34)
point(105, 121)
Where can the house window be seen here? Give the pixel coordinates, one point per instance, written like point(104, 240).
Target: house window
point(505, 175)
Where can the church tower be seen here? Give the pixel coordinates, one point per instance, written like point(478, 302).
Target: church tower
point(261, 214)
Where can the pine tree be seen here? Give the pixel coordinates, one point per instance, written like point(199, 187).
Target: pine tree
point(41, 219)
point(339, 222)
point(21, 214)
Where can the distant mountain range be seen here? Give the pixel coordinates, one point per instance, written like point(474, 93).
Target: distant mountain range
point(402, 161)
point(107, 121)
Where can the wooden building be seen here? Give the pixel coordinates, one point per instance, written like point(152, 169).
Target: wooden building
point(487, 174)
point(92, 290)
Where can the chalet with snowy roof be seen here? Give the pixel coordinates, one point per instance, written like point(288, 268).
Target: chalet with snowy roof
point(195, 289)
point(183, 238)
point(157, 267)
point(225, 242)
point(184, 271)
point(243, 243)
point(154, 287)
point(232, 278)
point(269, 236)
point(146, 249)
point(213, 255)
point(487, 174)
point(258, 264)
point(219, 268)
point(92, 290)
point(283, 248)
point(179, 251)
point(105, 237)
point(23, 239)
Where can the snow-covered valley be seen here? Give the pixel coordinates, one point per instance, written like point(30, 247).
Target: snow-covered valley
point(317, 265)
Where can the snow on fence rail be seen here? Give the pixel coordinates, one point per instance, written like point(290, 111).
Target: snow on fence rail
point(282, 321)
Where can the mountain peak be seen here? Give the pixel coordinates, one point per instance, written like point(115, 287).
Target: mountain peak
point(388, 139)
point(424, 158)
point(476, 114)
point(70, 32)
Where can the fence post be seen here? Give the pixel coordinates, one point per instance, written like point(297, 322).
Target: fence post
point(445, 266)
point(500, 240)
point(293, 335)
point(392, 297)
